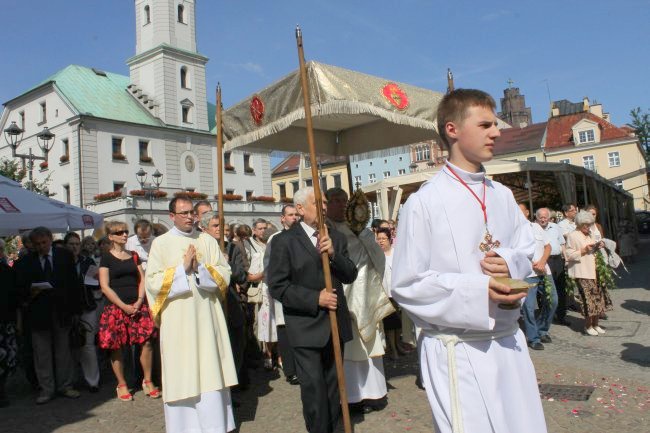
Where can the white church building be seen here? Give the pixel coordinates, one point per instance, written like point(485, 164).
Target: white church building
point(108, 126)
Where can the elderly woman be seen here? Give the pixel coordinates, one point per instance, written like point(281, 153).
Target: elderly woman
point(126, 319)
point(581, 249)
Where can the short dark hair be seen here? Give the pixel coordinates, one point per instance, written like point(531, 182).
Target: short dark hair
point(567, 207)
point(259, 221)
point(376, 223)
point(454, 105)
point(285, 207)
point(142, 224)
point(244, 231)
point(172, 202)
point(384, 231)
point(69, 236)
point(201, 203)
point(334, 191)
point(40, 232)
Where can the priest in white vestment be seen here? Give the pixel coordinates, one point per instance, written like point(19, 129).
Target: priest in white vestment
point(186, 276)
point(456, 234)
point(368, 303)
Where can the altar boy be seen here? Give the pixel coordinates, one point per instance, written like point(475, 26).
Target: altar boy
point(457, 234)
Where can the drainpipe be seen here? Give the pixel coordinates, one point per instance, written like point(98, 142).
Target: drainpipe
point(81, 196)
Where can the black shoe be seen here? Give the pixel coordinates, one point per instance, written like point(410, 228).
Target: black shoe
point(293, 380)
point(546, 339)
point(93, 389)
point(536, 345)
point(562, 322)
point(366, 409)
point(356, 408)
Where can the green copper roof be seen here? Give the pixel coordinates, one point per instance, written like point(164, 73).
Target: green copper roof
point(101, 94)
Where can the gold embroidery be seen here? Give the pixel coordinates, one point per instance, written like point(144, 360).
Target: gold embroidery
point(216, 276)
point(156, 309)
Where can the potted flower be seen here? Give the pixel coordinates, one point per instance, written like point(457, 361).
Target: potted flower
point(230, 197)
point(229, 167)
point(145, 159)
point(286, 199)
point(119, 156)
point(108, 196)
point(249, 170)
point(192, 195)
point(264, 198)
point(43, 165)
point(64, 158)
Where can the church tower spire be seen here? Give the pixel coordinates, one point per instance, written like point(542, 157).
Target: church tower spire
point(167, 71)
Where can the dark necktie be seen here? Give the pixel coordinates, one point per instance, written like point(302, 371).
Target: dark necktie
point(47, 268)
point(315, 235)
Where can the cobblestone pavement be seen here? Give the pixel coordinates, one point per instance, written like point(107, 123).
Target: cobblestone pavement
point(616, 365)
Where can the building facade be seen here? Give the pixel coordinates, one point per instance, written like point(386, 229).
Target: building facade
point(294, 172)
point(107, 126)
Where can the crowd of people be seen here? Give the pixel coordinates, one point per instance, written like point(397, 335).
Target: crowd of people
point(207, 314)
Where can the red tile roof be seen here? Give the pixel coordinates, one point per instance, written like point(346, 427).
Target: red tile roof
point(513, 140)
point(559, 133)
point(292, 162)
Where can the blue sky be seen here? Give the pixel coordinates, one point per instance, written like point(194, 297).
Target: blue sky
point(597, 49)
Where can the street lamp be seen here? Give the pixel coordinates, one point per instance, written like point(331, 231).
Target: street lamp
point(45, 140)
point(149, 188)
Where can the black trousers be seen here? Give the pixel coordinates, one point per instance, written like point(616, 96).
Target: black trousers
point(556, 263)
point(319, 391)
point(286, 352)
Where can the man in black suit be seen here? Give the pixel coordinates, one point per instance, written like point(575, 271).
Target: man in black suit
point(48, 281)
point(296, 279)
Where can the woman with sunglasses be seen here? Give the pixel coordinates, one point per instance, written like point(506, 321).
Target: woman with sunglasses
point(126, 319)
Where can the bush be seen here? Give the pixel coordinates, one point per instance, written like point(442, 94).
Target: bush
point(142, 193)
point(108, 196)
point(192, 195)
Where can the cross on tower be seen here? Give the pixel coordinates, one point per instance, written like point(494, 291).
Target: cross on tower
point(510, 82)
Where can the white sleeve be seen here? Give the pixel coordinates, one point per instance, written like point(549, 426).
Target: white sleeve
point(180, 284)
point(450, 299)
point(205, 280)
point(520, 253)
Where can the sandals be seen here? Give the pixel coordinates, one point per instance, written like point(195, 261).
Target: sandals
point(123, 397)
point(150, 389)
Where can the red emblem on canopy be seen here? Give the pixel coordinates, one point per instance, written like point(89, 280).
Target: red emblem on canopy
point(395, 96)
point(257, 110)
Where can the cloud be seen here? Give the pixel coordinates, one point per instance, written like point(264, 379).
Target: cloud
point(492, 16)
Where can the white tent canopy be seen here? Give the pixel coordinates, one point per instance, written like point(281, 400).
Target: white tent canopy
point(22, 210)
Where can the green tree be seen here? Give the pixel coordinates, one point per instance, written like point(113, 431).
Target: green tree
point(641, 124)
point(12, 169)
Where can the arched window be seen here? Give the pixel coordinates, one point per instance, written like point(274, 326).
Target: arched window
point(147, 14)
point(185, 78)
point(181, 14)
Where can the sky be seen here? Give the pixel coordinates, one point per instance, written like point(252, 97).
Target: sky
point(563, 49)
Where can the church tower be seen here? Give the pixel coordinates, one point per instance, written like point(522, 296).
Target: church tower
point(513, 108)
point(167, 73)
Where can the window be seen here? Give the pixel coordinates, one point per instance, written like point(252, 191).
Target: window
point(307, 162)
point(117, 148)
point(375, 210)
point(230, 191)
point(588, 162)
point(185, 79)
point(422, 153)
point(400, 158)
point(618, 184)
point(65, 148)
point(66, 193)
point(337, 180)
point(147, 14)
point(43, 112)
point(295, 186)
point(565, 161)
point(22, 120)
point(143, 146)
point(531, 158)
point(249, 195)
point(371, 177)
point(308, 182)
point(117, 186)
point(357, 181)
point(186, 115)
point(371, 163)
point(586, 136)
point(227, 164)
point(247, 164)
point(181, 14)
point(385, 161)
point(386, 174)
point(356, 165)
point(614, 159)
point(401, 171)
point(283, 190)
point(323, 184)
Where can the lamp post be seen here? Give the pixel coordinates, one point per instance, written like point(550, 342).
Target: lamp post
point(149, 188)
point(45, 140)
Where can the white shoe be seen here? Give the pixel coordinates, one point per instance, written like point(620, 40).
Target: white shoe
point(592, 332)
point(599, 329)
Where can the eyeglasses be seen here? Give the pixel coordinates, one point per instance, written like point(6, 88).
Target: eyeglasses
point(186, 213)
point(120, 232)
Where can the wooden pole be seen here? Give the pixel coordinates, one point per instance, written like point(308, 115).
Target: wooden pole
point(338, 358)
point(219, 122)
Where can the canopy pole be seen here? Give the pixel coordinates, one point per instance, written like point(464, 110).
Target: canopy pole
point(219, 122)
point(338, 359)
point(529, 186)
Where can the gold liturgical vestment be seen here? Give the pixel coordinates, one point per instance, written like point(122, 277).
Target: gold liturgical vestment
point(194, 344)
